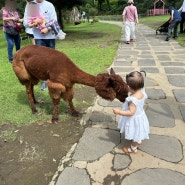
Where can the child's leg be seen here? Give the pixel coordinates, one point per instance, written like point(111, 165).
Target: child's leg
point(132, 148)
point(54, 25)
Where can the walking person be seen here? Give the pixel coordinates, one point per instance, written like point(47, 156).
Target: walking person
point(11, 28)
point(47, 11)
point(175, 19)
point(182, 10)
point(133, 120)
point(130, 18)
point(28, 30)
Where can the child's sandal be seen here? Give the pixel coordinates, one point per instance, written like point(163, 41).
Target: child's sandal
point(129, 150)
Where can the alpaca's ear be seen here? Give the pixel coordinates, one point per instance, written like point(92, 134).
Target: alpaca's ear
point(111, 82)
point(112, 72)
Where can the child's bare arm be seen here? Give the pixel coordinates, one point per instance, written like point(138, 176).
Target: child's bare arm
point(130, 112)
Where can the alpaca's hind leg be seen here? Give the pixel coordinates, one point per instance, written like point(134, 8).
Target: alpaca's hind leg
point(68, 96)
point(31, 97)
point(72, 108)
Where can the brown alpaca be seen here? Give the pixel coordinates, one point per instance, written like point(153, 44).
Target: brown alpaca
point(33, 63)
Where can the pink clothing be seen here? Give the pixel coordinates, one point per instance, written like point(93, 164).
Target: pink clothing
point(7, 14)
point(130, 13)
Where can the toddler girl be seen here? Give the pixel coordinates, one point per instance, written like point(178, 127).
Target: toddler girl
point(133, 120)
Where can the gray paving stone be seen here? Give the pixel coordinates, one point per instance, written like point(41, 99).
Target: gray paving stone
point(150, 82)
point(150, 69)
point(163, 57)
point(152, 176)
point(146, 62)
point(155, 94)
point(105, 103)
point(176, 80)
point(174, 70)
point(179, 95)
point(123, 69)
point(163, 147)
point(95, 143)
point(172, 63)
point(73, 176)
point(122, 63)
point(121, 161)
point(97, 116)
point(160, 115)
point(182, 110)
point(144, 56)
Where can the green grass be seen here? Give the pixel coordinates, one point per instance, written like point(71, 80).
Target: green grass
point(91, 46)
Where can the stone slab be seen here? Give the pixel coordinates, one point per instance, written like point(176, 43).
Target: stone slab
point(155, 94)
point(163, 147)
point(150, 69)
point(146, 62)
point(73, 176)
point(174, 70)
point(121, 161)
point(179, 95)
point(182, 110)
point(176, 80)
point(97, 116)
point(160, 115)
point(95, 143)
point(152, 176)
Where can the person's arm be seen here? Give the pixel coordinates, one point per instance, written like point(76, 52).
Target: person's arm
point(123, 14)
point(130, 112)
point(136, 16)
point(171, 18)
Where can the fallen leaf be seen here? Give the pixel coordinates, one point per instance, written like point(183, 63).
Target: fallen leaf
point(40, 123)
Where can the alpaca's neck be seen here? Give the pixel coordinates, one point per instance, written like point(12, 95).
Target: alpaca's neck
point(84, 78)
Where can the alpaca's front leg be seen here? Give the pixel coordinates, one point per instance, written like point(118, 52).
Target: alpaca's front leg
point(56, 103)
point(31, 98)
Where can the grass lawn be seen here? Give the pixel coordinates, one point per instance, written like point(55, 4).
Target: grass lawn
point(91, 46)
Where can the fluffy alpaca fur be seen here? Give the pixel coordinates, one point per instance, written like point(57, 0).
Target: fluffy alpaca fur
point(34, 63)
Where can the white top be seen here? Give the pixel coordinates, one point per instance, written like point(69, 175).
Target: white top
point(47, 10)
point(136, 127)
point(182, 8)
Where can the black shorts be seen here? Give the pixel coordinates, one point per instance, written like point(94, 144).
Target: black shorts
point(30, 35)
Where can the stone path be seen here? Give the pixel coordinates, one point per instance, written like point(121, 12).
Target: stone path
point(98, 158)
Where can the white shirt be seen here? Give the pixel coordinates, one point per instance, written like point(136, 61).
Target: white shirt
point(182, 8)
point(47, 10)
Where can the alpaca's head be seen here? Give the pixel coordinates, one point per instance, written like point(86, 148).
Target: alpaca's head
point(111, 86)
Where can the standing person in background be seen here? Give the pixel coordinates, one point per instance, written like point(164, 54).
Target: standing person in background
point(47, 11)
point(130, 18)
point(11, 18)
point(182, 10)
point(29, 30)
point(175, 19)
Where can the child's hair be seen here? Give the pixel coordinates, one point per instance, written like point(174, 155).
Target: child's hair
point(135, 80)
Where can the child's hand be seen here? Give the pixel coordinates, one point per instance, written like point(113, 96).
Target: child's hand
point(44, 31)
point(115, 111)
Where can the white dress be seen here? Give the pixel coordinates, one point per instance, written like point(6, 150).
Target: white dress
point(136, 127)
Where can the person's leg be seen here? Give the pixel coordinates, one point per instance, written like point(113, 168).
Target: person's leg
point(50, 43)
point(40, 42)
point(132, 148)
point(10, 44)
point(127, 32)
point(132, 33)
point(170, 28)
point(176, 29)
point(17, 41)
point(181, 23)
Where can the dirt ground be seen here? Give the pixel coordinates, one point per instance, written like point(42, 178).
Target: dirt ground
point(33, 158)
